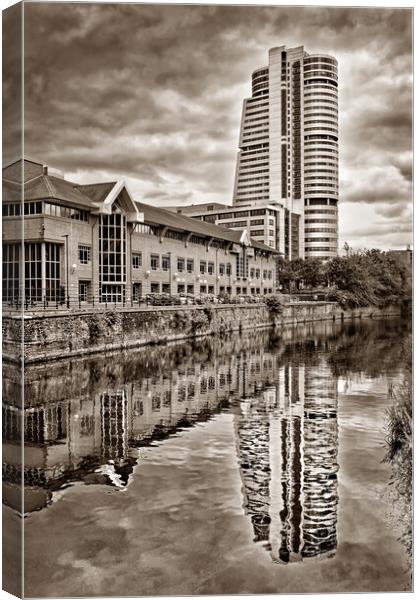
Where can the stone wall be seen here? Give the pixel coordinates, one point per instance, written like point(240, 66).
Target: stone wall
point(53, 336)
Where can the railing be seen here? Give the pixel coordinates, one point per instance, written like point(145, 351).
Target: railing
point(103, 303)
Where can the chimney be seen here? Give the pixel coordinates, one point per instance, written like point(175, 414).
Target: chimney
point(45, 170)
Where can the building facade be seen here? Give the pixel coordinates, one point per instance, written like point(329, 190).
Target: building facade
point(289, 146)
point(95, 243)
point(287, 164)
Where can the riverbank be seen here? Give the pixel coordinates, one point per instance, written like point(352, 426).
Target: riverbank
point(54, 336)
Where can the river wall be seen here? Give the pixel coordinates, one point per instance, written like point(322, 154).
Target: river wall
point(53, 336)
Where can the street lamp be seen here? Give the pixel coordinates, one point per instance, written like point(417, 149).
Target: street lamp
point(170, 272)
point(66, 266)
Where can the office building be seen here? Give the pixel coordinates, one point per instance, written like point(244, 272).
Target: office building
point(288, 155)
point(96, 243)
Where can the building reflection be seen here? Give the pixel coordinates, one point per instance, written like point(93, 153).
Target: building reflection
point(85, 422)
point(287, 443)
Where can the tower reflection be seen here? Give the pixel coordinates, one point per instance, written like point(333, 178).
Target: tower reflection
point(287, 446)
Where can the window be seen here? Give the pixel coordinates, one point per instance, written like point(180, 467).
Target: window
point(136, 261)
point(228, 269)
point(180, 265)
point(154, 287)
point(165, 263)
point(203, 289)
point(264, 274)
point(210, 268)
point(136, 291)
point(210, 289)
point(52, 271)
point(165, 288)
point(190, 289)
point(252, 273)
point(202, 266)
point(83, 290)
point(11, 255)
point(84, 254)
point(112, 256)
point(154, 262)
point(222, 268)
point(56, 210)
point(181, 288)
point(189, 265)
point(269, 274)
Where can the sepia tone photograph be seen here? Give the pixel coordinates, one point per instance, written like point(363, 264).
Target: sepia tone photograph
point(207, 243)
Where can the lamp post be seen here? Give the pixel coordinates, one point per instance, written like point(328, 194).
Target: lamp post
point(170, 272)
point(66, 267)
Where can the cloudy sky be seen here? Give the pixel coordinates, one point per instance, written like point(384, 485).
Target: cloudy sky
point(153, 94)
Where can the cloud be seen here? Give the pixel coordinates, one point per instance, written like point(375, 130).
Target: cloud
point(153, 93)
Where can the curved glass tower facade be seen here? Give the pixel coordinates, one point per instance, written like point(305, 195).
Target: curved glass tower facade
point(288, 150)
point(321, 156)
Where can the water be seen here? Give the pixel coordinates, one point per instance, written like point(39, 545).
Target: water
point(251, 464)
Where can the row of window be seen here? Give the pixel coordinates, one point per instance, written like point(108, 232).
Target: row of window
point(320, 211)
point(49, 208)
point(320, 240)
point(320, 230)
point(321, 249)
point(310, 221)
point(320, 202)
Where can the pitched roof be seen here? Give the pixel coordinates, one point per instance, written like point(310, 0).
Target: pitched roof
point(97, 192)
point(161, 216)
point(48, 186)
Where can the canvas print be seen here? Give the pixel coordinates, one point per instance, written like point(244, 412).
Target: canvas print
point(207, 299)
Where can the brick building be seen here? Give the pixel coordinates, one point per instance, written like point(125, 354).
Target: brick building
point(96, 243)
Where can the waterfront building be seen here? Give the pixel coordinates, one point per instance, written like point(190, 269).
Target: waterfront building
point(96, 243)
point(288, 156)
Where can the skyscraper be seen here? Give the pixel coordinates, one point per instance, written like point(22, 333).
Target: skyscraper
point(288, 152)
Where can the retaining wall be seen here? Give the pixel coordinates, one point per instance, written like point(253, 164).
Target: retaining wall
point(53, 336)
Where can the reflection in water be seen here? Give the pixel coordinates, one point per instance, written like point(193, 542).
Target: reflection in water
point(287, 447)
point(85, 420)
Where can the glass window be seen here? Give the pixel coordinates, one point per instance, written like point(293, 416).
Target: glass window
point(83, 290)
point(180, 265)
point(210, 268)
point(189, 265)
point(84, 254)
point(228, 269)
point(165, 263)
point(222, 268)
point(112, 257)
point(136, 260)
point(202, 266)
point(154, 287)
point(154, 262)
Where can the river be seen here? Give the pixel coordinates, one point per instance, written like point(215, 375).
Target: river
point(246, 464)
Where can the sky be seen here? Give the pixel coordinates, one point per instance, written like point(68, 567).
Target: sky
point(153, 95)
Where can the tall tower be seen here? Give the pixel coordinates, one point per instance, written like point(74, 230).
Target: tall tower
point(288, 152)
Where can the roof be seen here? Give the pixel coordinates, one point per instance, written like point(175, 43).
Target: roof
point(161, 216)
point(48, 186)
point(97, 191)
point(98, 197)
